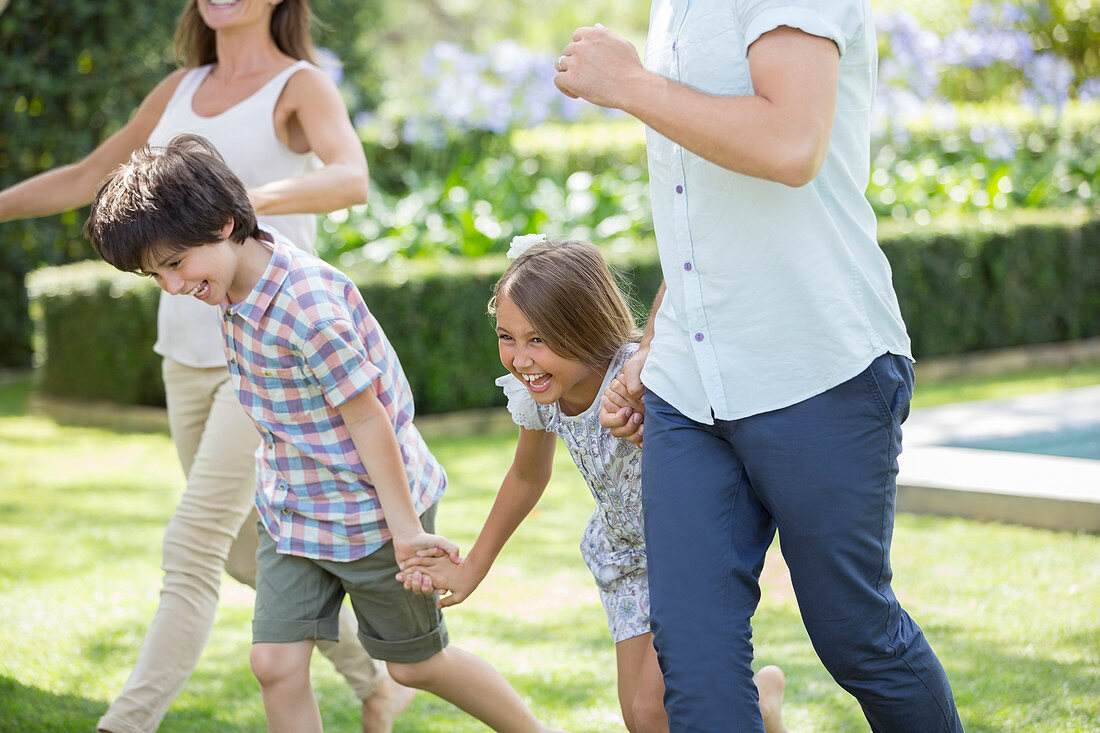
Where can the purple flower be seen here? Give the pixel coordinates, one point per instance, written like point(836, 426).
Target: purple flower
point(1049, 78)
point(509, 86)
point(1089, 89)
point(908, 55)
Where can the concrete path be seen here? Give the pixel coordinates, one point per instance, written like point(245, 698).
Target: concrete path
point(1051, 492)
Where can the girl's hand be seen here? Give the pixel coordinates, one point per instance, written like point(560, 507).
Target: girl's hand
point(623, 402)
point(425, 575)
point(424, 543)
point(622, 422)
point(411, 574)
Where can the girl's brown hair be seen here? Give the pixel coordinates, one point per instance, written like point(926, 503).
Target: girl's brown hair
point(567, 292)
point(290, 29)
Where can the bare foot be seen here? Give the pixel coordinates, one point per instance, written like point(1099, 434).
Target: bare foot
point(383, 707)
point(769, 683)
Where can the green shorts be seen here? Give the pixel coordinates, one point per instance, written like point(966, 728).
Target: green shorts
point(299, 598)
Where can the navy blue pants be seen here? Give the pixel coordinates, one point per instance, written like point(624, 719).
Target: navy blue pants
point(822, 472)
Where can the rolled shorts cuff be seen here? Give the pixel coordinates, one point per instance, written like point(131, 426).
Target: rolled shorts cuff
point(407, 651)
point(267, 631)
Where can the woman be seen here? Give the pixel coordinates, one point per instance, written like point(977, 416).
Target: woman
point(249, 87)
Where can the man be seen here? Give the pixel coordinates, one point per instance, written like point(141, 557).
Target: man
point(776, 366)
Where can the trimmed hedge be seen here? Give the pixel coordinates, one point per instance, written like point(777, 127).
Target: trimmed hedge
point(976, 287)
point(98, 326)
point(1013, 286)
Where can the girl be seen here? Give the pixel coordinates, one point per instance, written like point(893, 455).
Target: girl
point(564, 331)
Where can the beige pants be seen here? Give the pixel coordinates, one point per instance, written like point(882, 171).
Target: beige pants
point(213, 529)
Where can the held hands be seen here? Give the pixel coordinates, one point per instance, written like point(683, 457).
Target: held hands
point(597, 66)
point(430, 570)
point(622, 403)
point(406, 549)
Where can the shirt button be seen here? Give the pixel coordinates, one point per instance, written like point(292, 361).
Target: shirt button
point(674, 45)
point(232, 360)
point(687, 266)
point(698, 337)
point(286, 511)
point(679, 189)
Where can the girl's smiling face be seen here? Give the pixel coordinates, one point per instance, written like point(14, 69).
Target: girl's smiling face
point(549, 378)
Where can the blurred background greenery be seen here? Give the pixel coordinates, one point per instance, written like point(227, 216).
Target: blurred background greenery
point(984, 110)
point(979, 108)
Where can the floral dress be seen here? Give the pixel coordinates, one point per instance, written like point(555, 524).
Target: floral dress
point(613, 545)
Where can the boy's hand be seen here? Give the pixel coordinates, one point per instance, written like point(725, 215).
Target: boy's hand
point(424, 575)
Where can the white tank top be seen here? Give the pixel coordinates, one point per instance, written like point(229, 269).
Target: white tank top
point(189, 331)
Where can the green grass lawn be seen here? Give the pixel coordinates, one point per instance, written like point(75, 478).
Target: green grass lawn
point(1013, 612)
point(929, 393)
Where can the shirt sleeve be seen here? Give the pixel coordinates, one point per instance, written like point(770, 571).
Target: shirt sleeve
point(841, 21)
point(337, 358)
point(521, 405)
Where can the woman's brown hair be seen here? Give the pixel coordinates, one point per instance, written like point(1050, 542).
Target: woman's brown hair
point(290, 29)
point(565, 289)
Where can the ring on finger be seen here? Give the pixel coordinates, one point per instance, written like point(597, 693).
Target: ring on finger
point(560, 63)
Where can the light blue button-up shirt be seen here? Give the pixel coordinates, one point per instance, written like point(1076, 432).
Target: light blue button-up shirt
point(774, 294)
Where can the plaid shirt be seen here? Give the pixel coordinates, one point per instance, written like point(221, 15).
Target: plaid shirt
point(301, 344)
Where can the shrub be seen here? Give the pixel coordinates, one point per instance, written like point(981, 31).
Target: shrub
point(72, 72)
point(99, 326)
point(590, 181)
point(473, 195)
point(997, 286)
point(970, 158)
point(979, 286)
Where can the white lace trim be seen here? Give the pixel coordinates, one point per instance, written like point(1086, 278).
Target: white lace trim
point(521, 405)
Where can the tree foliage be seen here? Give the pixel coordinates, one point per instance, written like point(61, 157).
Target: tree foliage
point(72, 73)
point(74, 70)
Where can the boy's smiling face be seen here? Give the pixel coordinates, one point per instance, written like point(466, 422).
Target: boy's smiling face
point(210, 272)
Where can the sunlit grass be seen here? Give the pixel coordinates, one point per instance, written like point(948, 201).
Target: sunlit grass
point(929, 393)
point(1013, 612)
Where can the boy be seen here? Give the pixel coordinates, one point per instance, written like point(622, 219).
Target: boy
point(345, 483)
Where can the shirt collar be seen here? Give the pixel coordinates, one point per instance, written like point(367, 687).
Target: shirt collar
point(253, 308)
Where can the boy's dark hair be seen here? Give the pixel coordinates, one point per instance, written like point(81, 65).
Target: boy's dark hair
point(166, 200)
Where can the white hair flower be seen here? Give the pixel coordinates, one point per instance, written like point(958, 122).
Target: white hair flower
point(522, 243)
